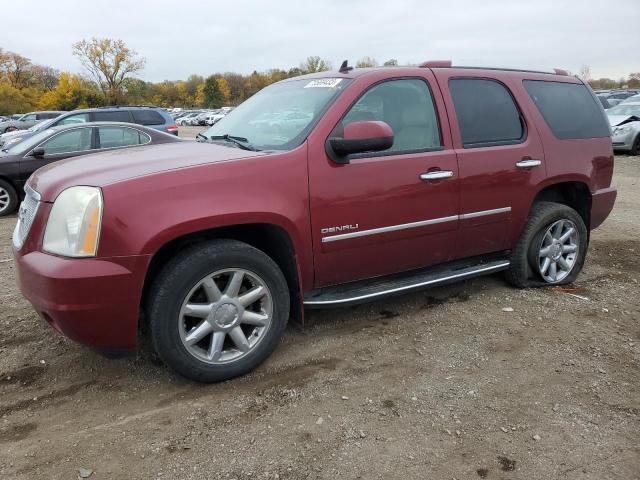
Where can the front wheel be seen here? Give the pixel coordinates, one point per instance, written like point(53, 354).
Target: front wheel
point(217, 310)
point(8, 198)
point(551, 249)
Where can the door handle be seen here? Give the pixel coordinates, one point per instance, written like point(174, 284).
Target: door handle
point(528, 163)
point(436, 175)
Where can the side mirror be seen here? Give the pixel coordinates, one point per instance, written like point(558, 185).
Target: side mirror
point(38, 152)
point(360, 137)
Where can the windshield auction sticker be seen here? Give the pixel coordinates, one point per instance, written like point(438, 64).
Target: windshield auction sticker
point(323, 83)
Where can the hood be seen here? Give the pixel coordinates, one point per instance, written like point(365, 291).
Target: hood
point(615, 120)
point(105, 168)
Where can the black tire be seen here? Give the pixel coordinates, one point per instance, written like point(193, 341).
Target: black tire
point(176, 280)
point(524, 271)
point(8, 198)
point(635, 149)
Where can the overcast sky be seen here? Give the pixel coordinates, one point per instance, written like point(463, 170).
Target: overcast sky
point(181, 37)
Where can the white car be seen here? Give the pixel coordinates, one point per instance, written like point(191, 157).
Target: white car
point(187, 118)
point(214, 118)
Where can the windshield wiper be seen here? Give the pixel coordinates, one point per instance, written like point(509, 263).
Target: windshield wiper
point(203, 137)
point(239, 141)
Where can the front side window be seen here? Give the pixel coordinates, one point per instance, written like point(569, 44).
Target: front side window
point(486, 112)
point(76, 140)
point(72, 119)
point(280, 116)
point(569, 109)
point(114, 137)
point(30, 117)
point(406, 106)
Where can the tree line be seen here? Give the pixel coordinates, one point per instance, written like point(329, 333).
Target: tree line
point(110, 78)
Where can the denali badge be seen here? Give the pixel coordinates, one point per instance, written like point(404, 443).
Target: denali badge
point(341, 228)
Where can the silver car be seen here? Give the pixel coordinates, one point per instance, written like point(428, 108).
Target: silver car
point(27, 120)
point(625, 122)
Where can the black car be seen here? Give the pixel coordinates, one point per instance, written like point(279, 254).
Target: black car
point(19, 161)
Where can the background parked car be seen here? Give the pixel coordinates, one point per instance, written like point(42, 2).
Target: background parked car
point(186, 119)
point(625, 121)
point(19, 161)
point(27, 120)
point(150, 117)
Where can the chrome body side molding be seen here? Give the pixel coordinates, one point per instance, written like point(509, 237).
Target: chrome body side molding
point(422, 223)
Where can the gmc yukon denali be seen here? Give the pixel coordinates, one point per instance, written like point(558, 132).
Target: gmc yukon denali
point(319, 191)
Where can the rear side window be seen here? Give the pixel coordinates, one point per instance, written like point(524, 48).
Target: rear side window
point(486, 113)
point(48, 115)
point(114, 137)
point(568, 108)
point(116, 116)
point(147, 117)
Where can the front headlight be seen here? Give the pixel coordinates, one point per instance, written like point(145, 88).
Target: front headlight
point(621, 130)
point(73, 228)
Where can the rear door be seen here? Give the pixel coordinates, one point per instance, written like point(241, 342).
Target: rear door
point(499, 152)
point(380, 213)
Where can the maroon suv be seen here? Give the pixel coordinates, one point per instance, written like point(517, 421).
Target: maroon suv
point(319, 191)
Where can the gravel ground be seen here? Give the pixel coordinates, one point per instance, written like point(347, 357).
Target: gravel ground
point(447, 383)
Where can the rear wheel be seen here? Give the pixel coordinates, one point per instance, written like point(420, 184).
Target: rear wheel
point(8, 198)
point(218, 310)
point(551, 249)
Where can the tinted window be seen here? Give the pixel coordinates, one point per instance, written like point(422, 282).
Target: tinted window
point(78, 118)
point(486, 112)
point(47, 115)
point(76, 140)
point(568, 108)
point(147, 117)
point(116, 116)
point(113, 137)
point(406, 106)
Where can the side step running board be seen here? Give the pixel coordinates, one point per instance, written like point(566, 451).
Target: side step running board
point(371, 289)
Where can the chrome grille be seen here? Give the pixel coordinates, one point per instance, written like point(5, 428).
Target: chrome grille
point(26, 215)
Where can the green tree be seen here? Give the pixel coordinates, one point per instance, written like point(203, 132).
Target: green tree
point(392, 62)
point(315, 64)
point(213, 95)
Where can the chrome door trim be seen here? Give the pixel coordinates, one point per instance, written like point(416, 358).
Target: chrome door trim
point(392, 228)
point(436, 175)
point(482, 213)
point(487, 269)
point(528, 163)
point(422, 223)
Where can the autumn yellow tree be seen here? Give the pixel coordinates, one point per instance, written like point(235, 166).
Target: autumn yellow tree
point(110, 62)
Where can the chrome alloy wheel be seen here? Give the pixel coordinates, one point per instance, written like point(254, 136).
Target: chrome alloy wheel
point(5, 199)
point(225, 316)
point(558, 251)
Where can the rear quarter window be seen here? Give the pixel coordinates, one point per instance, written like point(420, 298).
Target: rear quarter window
point(147, 117)
point(568, 108)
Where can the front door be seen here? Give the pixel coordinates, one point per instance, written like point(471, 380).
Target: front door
point(69, 143)
point(388, 211)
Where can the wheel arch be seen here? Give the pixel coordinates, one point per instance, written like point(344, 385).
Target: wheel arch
point(574, 193)
point(271, 239)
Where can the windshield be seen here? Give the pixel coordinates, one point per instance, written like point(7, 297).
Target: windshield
point(624, 109)
point(29, 143)
point(280, 116)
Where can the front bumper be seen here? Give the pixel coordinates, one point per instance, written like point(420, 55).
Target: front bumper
point(93, 301)
point(602, 202)
point(623, 142)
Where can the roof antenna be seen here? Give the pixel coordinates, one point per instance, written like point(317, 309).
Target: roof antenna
point(345, 68)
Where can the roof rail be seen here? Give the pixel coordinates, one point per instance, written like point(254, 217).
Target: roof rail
point(436, 64)
point(448, 64)
point(129, 106)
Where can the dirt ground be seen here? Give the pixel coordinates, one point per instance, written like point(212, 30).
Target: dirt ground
point(442, 384)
